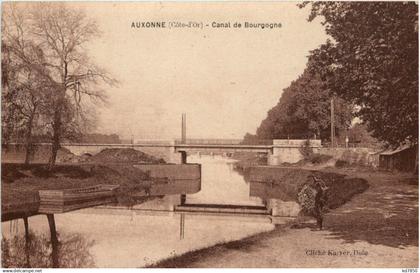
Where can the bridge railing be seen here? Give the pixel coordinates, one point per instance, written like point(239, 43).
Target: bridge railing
point(257, 142)
point(210, 141)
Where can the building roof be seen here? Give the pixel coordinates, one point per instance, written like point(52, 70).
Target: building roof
point(395, 151)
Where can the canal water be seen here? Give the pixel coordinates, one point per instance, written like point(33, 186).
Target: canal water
point(138, 237)
point(220, 183)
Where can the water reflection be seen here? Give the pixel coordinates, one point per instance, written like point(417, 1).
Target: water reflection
point(220, 183)
point(36, 251)
point(108, 237)
point(142, 235)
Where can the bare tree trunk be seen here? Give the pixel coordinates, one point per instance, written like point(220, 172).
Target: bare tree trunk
point(54, 241)
point(57, 122)
point(56, 137)
point(28, 142)
point(27, 241)
point(416, 161)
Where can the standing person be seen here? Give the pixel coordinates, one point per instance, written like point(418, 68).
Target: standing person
point(313, 198)
point(320, 199)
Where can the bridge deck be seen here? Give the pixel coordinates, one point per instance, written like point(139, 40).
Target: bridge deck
point(223, 146)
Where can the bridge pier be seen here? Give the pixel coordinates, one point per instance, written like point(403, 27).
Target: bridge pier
point(271, 159)
point(183, 161)
point(183, 157)
point(288, 150)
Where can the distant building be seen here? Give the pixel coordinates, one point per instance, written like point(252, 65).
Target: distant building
point(401, 159)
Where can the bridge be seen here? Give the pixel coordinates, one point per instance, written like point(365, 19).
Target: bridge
point(223, 148)
point(171, 151)
point(176, 151)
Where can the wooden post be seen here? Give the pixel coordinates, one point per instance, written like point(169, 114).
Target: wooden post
point(183, 153)
point(332, 123)
point(26, 223)
point(181, 226)
point(54, 240)
point(184, 129)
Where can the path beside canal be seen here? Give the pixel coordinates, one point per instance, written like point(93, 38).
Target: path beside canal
point(378, 228)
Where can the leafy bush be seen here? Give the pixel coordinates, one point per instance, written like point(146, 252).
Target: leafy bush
point(306, 150)
point(341, 163)
point(287, 183)
point(309, 155)
point(319, 158)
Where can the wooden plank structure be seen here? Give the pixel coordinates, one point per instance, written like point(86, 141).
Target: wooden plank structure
point(165, 179)
point(27, 209)
point(59, 201)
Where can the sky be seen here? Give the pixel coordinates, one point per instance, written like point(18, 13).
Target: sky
point(225, 80)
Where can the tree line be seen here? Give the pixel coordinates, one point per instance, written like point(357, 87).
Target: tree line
point(50, 87)
point(369, 65)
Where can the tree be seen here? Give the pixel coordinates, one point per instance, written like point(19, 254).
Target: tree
point(250, 139)
point(59, 33)
point(372, 61)
point(7, 76)
point(303, 111)
point(358, 134)
point(28, 103)
point(23, 87)
point(63, 32)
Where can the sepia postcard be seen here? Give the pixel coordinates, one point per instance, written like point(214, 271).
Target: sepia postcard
point(235, 134)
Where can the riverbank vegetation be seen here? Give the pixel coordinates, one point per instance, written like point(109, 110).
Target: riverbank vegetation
point(371, 60)
point(21, 182)
point(74, 251)
point(303, 111)
point(289, 182)
point(369, 67)
point(246, 160)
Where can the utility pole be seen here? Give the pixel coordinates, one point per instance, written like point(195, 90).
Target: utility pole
point(347, 138)
point(183, 161)
point(184, 128)
point(332, 123)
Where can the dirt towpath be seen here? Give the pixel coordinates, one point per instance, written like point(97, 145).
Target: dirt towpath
point(378, 228)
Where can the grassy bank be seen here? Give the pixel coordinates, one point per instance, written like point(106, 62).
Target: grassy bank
point(21, 183)
point(248, 160)
point(285, 183)
point(191, 257)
